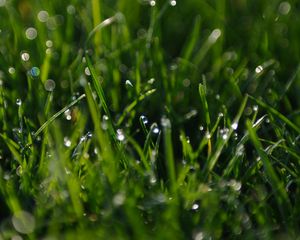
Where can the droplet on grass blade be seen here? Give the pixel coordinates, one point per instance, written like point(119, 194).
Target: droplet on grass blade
point(23, 222)
point(49, 85)
point(144, 119)
point(19, 102)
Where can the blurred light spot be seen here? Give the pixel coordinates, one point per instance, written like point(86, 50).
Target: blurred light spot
point(71, 9)
point(118, 199)
point(152, 3)
point(2, 3)
point(67, 142)
point(35, 72)
point(284, 8)
point(49, 43)
point(16, 237)
point(120, 135)
point(199, 236)
point(31, 33)
point(43, 16)
point(12, 70)
point(23, 222)
point(186, 82)
point(173, 3)
point(49, 85)
point(25, 56)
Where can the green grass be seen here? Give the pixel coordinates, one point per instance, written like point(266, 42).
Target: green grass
point(122, 120)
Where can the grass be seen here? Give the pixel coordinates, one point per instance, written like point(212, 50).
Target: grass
point(149, 119)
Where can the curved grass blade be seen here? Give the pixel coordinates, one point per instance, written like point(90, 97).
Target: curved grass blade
point(56, 115)
point(276, 113)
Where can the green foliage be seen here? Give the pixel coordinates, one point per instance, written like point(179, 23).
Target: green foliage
point(149, 119)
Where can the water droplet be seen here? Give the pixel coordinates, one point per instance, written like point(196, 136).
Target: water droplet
point(31, 33)
point(119, 199)
point(23, 222)
point(144, 119)
point(19, 102)
point(284, 8)
point(195, 206)
point(220, 115)
point(199, 236)
point(173, 3)
point(201, 128)
point(259, 69)
point(165, 122)
point(207, 135)
point(120, 135)
point(49, 85)
point(68, 115)
point(19, 170)
point(49, 43)
point(71, 9)
point(128, 83)
point(87, 71)
point(234, 126)
point(43, 16)
point(35, 72)
point(152, 3)
point(104, 123)
point(2, 3)
point(213, 37)
point(25, 56)
point(67, 142)
point(156, 130)
point(12, 70)
point(255, 108)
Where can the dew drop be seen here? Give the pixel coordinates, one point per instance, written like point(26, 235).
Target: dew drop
point(120, 135)
point(23, 222)
point(201, 128)
point(144, 119)
point(195, 206)
point(152, 3)
point(87, 71)
point(255, 108)
point(67, 142)
point(156, 130)
point(173, 3)
point(68, 115)
point(35, 72)
point(128, 83)
point(19, 102)
point(31, 33)
point(234, 126)
point(25, 56)
point(49, 85)
point(259, 69)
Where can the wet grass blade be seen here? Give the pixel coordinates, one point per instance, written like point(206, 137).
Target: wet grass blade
point(276, 113)
point(56, 115)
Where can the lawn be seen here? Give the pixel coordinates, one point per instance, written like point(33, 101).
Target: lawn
point(149, 119)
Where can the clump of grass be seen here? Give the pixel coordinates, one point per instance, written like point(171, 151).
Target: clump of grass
point(119, 120)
